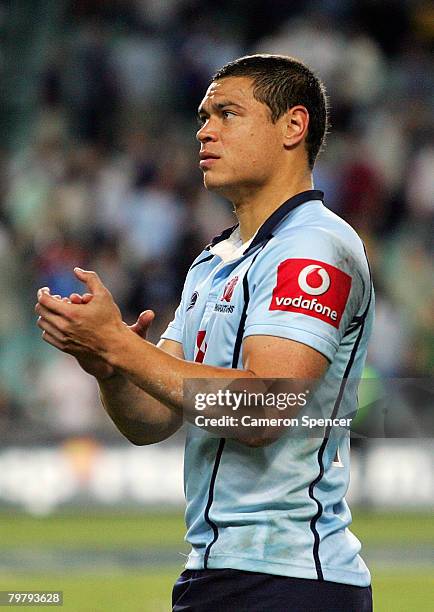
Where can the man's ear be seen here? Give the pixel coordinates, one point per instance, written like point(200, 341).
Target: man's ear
point(296, 123)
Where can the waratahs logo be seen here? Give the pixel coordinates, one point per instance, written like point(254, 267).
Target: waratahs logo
point(229, 289)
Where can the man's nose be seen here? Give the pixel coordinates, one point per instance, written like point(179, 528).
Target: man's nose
point(207, 133)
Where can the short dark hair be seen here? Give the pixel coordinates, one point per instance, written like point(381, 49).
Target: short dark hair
point(282, 82)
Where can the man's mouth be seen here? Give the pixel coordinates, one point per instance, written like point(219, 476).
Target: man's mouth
point(207, 159)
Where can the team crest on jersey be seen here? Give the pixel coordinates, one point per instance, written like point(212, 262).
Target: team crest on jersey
point(313, 288)
point(193, 300)
point(229, 289)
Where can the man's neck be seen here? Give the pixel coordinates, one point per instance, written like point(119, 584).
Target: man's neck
point(252, 209)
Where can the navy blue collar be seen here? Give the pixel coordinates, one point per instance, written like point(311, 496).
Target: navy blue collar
point(266, 229)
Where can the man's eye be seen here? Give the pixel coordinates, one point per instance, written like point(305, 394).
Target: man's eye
point(201, 121)
point(226, 114)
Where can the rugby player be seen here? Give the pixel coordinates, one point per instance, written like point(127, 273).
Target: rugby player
point(286, 293)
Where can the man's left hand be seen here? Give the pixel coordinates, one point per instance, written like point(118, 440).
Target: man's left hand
point(93, 327)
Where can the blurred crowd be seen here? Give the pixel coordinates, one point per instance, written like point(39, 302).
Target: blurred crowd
point(99, 168)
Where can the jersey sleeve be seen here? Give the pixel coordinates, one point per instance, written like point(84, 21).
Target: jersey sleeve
point(306, 288)
point(175, 329)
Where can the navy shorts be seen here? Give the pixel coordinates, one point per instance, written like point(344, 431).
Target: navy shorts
point(229, 590)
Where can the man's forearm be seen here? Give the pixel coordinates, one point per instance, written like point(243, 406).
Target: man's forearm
point(163, 376)
point(160, 374)
point(141, 418)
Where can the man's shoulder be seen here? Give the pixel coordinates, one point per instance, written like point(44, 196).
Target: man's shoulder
point(319, 231)
point(321, 241)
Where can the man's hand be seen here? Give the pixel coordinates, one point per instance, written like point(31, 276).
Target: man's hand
point(56, 324)
point(96, 366)
point(96, 326)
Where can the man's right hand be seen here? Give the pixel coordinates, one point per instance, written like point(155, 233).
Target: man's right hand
point(92, 364)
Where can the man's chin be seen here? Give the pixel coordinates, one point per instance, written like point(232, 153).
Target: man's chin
point(213, 183)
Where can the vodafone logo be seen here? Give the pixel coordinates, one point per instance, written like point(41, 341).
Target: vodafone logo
point(307, 276)
point(298, 280)
point(314, 305)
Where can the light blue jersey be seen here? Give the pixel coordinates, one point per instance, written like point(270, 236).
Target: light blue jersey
point(278, 509)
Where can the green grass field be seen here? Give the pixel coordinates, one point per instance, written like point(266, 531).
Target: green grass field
point(115, 562)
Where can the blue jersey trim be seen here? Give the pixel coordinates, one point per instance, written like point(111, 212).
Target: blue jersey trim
point(201, 261)
point(236, 355)
point(223, 236)
point(242, 323)
point(211, 499)
point(314, 520)
point(266, 229)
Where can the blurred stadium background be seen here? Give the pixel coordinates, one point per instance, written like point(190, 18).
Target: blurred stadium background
point(98, 168)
